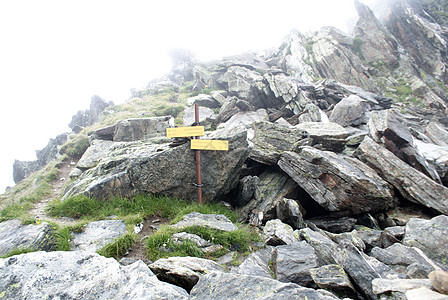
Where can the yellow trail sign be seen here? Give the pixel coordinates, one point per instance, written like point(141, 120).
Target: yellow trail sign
point(185, 131)
point(209, 145)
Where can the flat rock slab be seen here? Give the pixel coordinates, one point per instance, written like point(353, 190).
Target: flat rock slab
point(80, 275)
point(218, 285)
point(214, 221)
point(183, 271)
point(98, 234)
point(330, 136)
point(142, 128)
point(278, 233)
point(333, 278)
point(14, 235)
point(257, 263)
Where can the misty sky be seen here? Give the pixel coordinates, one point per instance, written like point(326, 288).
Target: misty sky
point(54, 55)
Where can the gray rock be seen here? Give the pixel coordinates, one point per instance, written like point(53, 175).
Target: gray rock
point(98, 234)
point(105, 134)
point(154, 167)
point(126, 261)
point(381, 285)
point(333, 278)
point(371, 237)
point(246, 190)
point(401, 256)
point(278, 233)
point(204, 101)
point(437, 156)
point(141, 129)
point(412, 184)
point(23, 169)
point(220, 96)
point(245, 119)
point(288, 211)
point(219, 222)
point(333, 224)
point(439, 280)
point(80, 275)
point(14, 235)
point(258, 263)
point(274, 186)
point(292, 263)
point(94, 154)
point(337, 182)
point(385, 128)
point(424, 293)
point(350, 111)
point(89, 117)
point(329, 136)
point(271, 140)
point(391, 235)
point(323, 246)
point(224, 286)
point(437, 134)
point(75, 173)
point(204, 113)
point(431, 236)
point(183, 271)
point(180, 237)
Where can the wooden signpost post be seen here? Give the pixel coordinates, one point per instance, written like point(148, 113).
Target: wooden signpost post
point(197, 144)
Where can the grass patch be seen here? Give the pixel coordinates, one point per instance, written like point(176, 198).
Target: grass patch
point(75, 146)
point(17, 252)
point(119, 246)
point(159, 245)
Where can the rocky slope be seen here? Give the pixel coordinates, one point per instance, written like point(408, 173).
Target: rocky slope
point(338, 152)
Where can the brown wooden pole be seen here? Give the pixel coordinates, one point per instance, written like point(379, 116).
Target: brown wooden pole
point(198, 157)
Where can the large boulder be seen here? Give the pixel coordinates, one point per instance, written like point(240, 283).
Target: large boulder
point(14, 235)
point(245, 118)
point(431, 236)
point(98, 234)
point(204, 113)
point(89, 117)
point(94, 154)
point(333, 278)
point(80, 275)
point(271, 140)
point(142, 128)
point(437, 156)
point(278, 233)
point(412, 184)
point(337, 182)
point(183, 271)
point(154, 167)
point(328, 136)
point(258, 263)
point(437, 134)
point(350, 111)
point(214, 221)
point(223, 286)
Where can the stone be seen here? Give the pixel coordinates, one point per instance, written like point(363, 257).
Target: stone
point(350, 111)
point(437, 134)
point(431, 236)
point(439, 280)
point(204, 113)
point(75, 173)
point(154, 167)
point(180, 237)
point(371, 237)
point(385, 128)
point(183, 271)
point(105, 134)
point(244, 119)
point(130, 130)
point(94, 154)
point(98, 234)
point(288, 211)
point(391, 235)
point(204, 100)
point(258, 263)
point(328, 136)
point(23, 169)
point(337, 182)
point(80, 275)
point(400, 255)
point(292, 263)
point(278, 233)
point(324, 247)
point(246, 190)
point(89, 117)
point(333, 278)
point(437, 156)
point(274, 186)
point(214, 221)
point(332, 224)
point(223, 286)
point(412, 184)
point(14, 235)
point(424, 293)
point(381, 285)
point(271, 140)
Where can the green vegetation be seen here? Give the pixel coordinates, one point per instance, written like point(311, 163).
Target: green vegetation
point(75, 146)
point(356, 47)
point(17, 252)
point(160, 245)
point(119, 246)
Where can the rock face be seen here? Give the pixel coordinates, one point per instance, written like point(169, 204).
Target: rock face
point(14, 235)
point(154, 167)
point(89, 117)
point(141, 129)
point(98, 234)
point(412, 184)
point(80, 275)
point(337, 182)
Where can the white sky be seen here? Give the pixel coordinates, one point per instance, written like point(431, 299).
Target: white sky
point(55, 55)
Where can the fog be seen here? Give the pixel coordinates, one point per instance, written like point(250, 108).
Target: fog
point(55, 55)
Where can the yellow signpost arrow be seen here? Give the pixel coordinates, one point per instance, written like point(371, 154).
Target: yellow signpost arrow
point(185, 131)
point(209, 145)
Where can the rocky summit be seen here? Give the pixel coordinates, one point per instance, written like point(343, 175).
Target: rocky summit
point(337, 162)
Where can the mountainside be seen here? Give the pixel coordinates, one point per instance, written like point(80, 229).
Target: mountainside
point(338, 154)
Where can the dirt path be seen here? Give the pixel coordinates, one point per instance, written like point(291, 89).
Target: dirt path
point(38, 211)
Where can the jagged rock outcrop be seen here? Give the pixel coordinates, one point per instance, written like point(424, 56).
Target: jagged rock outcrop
point(89, 117)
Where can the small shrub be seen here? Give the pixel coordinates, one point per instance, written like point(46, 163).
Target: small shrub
point(119, 246)
point(76, 146)
point(18, 251)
